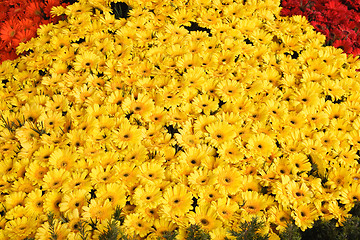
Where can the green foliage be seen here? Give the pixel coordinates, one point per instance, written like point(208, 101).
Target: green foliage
point(112, 232)
point(169, 235)
point(194, 232)
point(350, 229)
point(292, 232)
point(12, 126)
point(82, 231)
point(52, 226)
point(250, 231)
point(322, 229)
point(247, 230)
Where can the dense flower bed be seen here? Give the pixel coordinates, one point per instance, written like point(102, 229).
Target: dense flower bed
point(338, 20)
point(249, 116)
point(20, 20)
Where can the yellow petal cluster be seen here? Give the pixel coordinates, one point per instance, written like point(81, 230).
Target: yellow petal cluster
point(183, 112)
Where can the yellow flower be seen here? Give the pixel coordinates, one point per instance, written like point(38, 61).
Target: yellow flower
point(36, 171)
point(228, 179)
point(151, 172)
point(86, 61)
point(136, 154)
point(134, 223)
point(304, 215)
point(209, 194)
point(225, 209)
point(255, 203)
point(298, 193)
point(261, 144)
point(126, 172)
point(177, 200)
point(74, 201)
point(97, 210)
point(231, 153)
point(34, 203)
point(100, 175)
point(206, 216)
point(55, 178)
point(338, 178)
point(200, 178)
point(219, 133)
point(78, 180)
point(63, 158)
point(20, 228)
point(161, 226)
point(280, 216)
point(193, 156)
point(61, 230)
point(187, 137)
point(350, 195)
point(52, 202)
point(205, 104)
point(147, 196)
point(127, 134)
point(299, 163)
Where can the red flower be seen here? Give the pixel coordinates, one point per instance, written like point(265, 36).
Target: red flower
point(34, 9)
point(346, 45)
point(23, 36)
point(9, 30)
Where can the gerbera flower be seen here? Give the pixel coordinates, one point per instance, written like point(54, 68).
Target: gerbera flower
point(299, 163)
point(54, 179)
point(44, 153)
point(134, 223)
point(36, 171)
point(148, 196)
point(74, 201)
point(225, 209)
point(61, 230)
point(206, 216)
point(77, 180)
point(249, 183)
point(231, 153)
point(34, 203)
point(52, 200)
point(203, 103)
point(32, 111)
point(86, 61)
point(177, 200)
point(280, 216)
point(22, 184)
point(338, 178)
point(304, 215)
point(162, 226)
point(186, 136)
point(127, 134)
point(76, 138)
point(193, 157)
point(114, 192)
point(9, 31)
point(100, 175)
point(126, 172)
point(151, 172)
point(228, 179)
point(97, 209)
point(261, 144)
point(137, 154)
point(350, 195)
point(63, 158)
point(200, 178)
point(20, 228)
point(219, 133)
point(298, 193)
